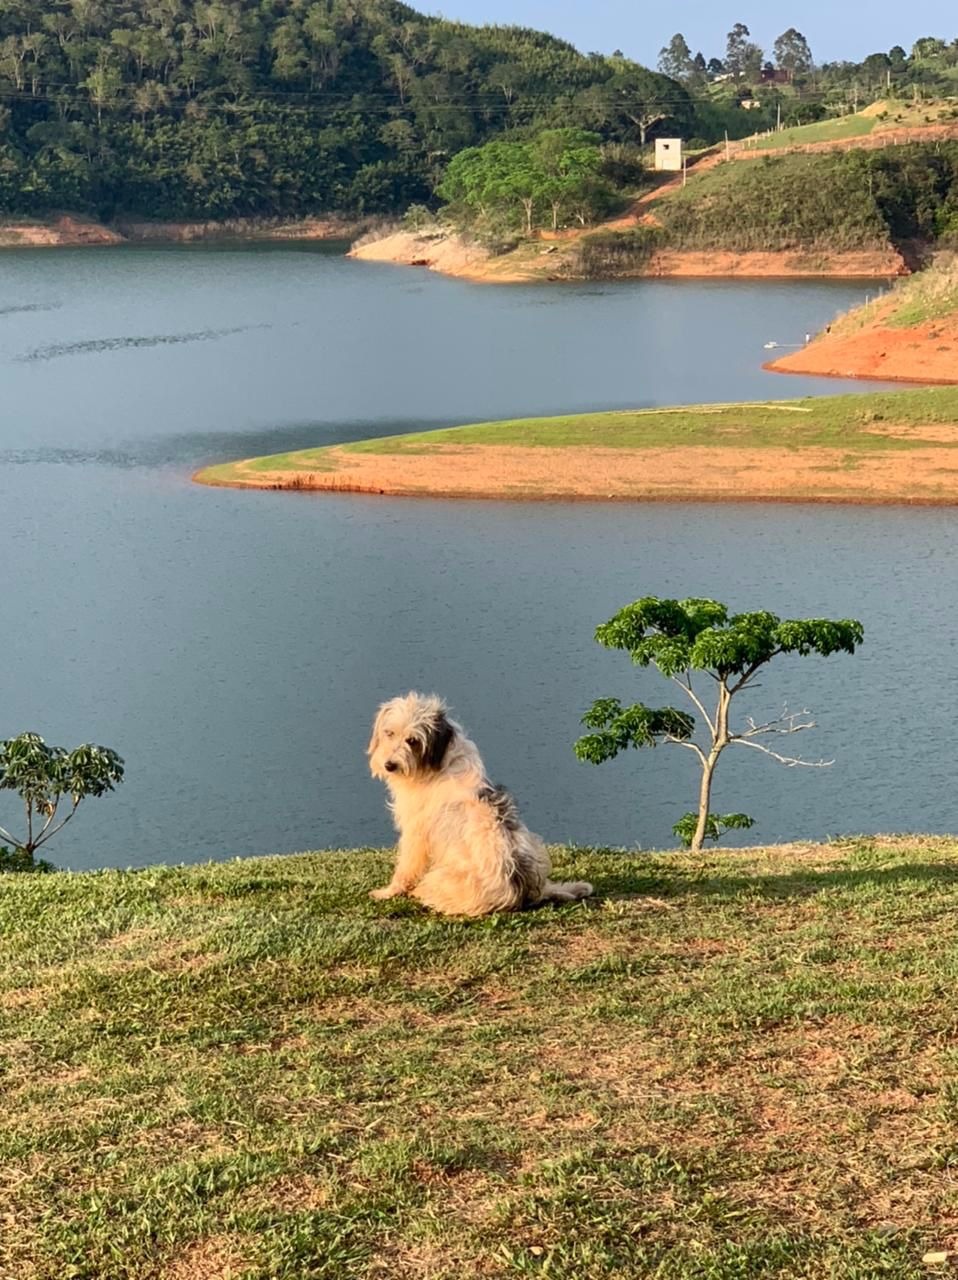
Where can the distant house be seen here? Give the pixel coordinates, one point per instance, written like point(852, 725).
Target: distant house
point(668, 154)
point(775, 75)
point(749, 104)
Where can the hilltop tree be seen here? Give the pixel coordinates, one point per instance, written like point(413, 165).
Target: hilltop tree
point(682, 638)
point(928, 47)
point(742, 56)
point(792, 54)
point(676, 59)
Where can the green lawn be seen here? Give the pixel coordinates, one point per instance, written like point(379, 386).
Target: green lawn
point(741, 1065)
point(854, 126)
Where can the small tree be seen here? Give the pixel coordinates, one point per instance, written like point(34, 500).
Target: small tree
point(42, 776)
point(682, 637)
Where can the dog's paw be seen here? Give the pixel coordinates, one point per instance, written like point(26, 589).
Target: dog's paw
point(380, 895)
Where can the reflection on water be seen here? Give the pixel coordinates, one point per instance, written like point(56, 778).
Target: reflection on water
point(232, 646)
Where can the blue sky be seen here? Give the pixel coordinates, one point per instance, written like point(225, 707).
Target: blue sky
point(834, 30)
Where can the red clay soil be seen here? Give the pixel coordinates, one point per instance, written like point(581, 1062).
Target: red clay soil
point(925, 475)
point(927, 353)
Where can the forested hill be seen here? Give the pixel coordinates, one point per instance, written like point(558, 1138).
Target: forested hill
point(219, 108)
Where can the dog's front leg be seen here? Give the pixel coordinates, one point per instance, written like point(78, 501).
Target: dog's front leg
point(411, 862)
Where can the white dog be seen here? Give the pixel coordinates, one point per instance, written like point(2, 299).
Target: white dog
point(463, 849)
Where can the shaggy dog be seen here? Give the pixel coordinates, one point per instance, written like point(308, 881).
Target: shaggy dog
point(463, 849)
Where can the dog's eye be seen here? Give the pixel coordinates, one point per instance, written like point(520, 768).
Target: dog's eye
point(411, 742)
point(388, 733)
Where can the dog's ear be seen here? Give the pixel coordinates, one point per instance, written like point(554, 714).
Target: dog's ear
point(377, 726)
point(436, 741)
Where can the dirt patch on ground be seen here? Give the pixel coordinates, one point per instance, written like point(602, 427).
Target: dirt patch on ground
point(57, 231)
point(695, 474)
point(925, 353)
point(455, 256)
point(216, 1258)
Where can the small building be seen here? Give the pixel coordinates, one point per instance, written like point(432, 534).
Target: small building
point(668, 154)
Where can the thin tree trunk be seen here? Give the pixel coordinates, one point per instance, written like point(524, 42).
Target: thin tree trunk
point(720, 740)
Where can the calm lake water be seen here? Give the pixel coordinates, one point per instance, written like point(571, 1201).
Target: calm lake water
point(233, 646)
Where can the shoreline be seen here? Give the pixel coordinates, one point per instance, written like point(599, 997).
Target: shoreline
point(678, 498)
point(893, 448)
point(79, 231)
point(541, 261)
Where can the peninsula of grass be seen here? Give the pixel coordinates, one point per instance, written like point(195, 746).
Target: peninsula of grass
point(736, 1065)
point(888, 447)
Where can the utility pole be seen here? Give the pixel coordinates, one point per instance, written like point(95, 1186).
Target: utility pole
point(727, 152)
point(778, 125)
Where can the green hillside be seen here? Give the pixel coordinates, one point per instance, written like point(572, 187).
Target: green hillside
point(184, 108)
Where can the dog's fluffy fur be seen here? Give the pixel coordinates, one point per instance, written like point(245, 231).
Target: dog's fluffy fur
point(463, 849)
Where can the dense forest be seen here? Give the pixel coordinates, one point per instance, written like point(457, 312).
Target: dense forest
point(215, 108)
point(225, 108)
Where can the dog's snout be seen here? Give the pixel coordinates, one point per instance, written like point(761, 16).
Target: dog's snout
point(390, 766)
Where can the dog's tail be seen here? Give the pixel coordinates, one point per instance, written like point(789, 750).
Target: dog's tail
point(570, 891)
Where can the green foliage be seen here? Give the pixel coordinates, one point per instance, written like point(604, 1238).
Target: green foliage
point(834, 201)
point(698, 635)
point(190, 109)
point(42, 776)
point(549, 179)
point(637, 726)
point(681, 638)
point(18, 860)
point(716, 825)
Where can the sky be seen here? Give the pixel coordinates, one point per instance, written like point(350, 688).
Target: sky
point(835, 30)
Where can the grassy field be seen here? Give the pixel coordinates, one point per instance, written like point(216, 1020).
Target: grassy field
point(880, 115)
point(931, 294)
point(741, 1065)
point(837, 130)
point(847, 422)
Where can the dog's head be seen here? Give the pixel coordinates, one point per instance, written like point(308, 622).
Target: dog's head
point(411, 736)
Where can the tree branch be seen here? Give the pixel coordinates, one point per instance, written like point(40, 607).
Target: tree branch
point(45, 835)
point(786, 723)
point(751, 671)
point(686, 687)
point(5, 835)
point(791, 761)
point(691, 746)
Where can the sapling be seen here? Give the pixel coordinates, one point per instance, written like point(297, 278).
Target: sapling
point(683, 637)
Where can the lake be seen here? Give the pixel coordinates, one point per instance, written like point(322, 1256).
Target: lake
point(233, 646)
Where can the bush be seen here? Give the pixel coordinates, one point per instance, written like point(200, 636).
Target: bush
point(612, 253)
point(16, 860)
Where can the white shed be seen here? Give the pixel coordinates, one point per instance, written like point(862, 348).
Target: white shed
point(668, 154)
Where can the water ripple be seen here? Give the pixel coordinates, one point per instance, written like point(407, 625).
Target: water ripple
point(94, 346)
point(17, 308)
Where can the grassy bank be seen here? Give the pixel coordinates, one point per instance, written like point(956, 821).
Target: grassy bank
point(897, 446)
point(731, 1067)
